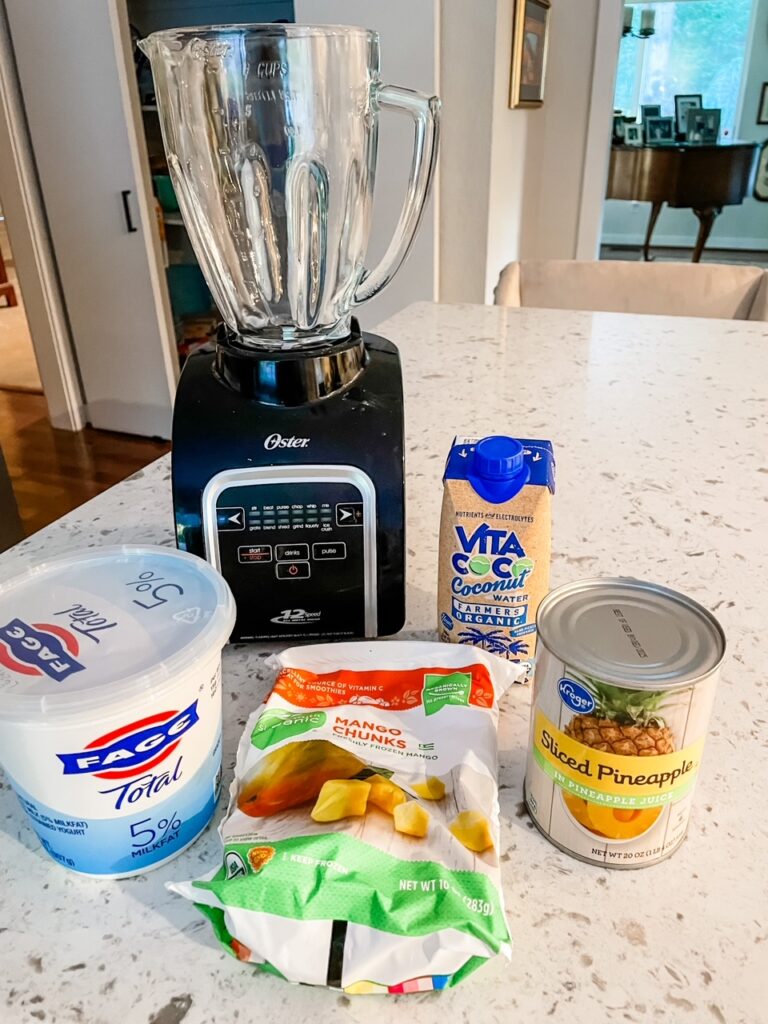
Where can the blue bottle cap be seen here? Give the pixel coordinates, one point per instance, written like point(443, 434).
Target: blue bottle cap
point(498, 470)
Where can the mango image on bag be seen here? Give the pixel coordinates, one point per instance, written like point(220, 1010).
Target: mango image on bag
point(341, 798)
point(294, 774)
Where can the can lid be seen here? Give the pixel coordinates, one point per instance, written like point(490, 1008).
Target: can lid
point(106, 624)
point(624, 630)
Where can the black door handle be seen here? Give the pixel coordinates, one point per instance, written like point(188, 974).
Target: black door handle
point(127, 211)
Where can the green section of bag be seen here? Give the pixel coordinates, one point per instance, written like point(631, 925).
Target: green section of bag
point(338, 877)
point(276, 725)
point(450, 688)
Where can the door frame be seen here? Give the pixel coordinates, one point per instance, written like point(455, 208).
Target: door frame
point(597, 148)
point(34, 259)
point(121, 35)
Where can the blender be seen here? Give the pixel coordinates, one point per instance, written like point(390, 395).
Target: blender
point(287, 461)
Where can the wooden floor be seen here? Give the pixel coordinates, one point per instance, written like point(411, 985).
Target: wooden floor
point(750, 257)
point(54, 471)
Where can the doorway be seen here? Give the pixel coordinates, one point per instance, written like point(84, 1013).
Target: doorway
point(687, 133)
point(18, 365)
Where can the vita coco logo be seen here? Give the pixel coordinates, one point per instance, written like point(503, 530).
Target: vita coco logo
point(488, 550)
point(133, 749)
point(38, 649)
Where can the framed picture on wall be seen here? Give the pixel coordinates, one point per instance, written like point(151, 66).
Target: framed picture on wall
point(762, 110)
point(529, 53)
point(683, 104)
point(761, 178)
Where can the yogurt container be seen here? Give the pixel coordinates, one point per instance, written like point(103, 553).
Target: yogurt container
point(110, 703)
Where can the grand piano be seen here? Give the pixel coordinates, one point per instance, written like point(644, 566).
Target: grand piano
point(704, 178)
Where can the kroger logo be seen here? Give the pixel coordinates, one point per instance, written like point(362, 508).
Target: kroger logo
point(576, 697)
point(132, 749)
point(39, 649)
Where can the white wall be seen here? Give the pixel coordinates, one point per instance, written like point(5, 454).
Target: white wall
point(409, 41)
point(557, 155)
point(466, 90)
point(738, 227)
point(514, 182)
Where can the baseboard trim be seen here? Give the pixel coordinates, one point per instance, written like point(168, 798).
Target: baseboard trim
point(686, 242)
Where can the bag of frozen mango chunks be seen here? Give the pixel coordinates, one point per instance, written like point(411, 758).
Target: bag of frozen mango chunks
point(361, 843)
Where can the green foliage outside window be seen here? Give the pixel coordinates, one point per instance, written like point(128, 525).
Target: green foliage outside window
point(699, 47)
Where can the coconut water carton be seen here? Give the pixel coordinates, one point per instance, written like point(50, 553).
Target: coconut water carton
point(495, 543)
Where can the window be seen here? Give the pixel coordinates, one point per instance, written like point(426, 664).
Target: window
point(699, 47)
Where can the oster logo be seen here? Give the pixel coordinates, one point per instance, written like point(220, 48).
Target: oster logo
point(133, 749)
point(39, 649)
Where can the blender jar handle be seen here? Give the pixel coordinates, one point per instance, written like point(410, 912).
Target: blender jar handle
point(425, 112)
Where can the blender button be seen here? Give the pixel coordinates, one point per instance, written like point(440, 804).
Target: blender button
point(329, 551)
point(349, 513)
point(292, 552)
point(292, 570)
point(249, 553)
point(230, 517)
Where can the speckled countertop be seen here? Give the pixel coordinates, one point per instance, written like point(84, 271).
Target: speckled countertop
point(661, 437)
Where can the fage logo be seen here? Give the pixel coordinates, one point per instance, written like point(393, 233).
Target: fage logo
point(132, 749)
point(39, 649)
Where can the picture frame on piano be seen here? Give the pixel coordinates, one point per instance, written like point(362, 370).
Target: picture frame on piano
point(703, 125)
point(683, 103)
point(633, 134)
point(659, 131)
point(649, 110)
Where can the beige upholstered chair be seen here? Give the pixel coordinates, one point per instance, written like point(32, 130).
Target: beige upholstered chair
point(724, 291)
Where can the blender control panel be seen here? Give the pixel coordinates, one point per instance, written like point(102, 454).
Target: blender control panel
point(299, 554)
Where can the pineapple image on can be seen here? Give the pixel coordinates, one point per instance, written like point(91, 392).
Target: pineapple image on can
point(624, 684)
point(623, 721)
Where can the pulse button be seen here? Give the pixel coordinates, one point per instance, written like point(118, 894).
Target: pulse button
point(330, 552)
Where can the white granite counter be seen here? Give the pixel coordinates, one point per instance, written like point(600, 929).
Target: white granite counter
point(661, 436)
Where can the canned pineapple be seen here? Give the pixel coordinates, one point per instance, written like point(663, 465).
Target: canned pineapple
point(625, 679)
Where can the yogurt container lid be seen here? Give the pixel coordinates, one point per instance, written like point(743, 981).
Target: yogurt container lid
point(94, 627)
point(630, 632)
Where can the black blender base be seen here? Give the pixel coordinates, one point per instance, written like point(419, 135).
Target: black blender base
point(289, 479)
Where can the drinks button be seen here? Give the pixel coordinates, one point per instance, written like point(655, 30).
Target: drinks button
point(349, 513)
point(254, 553)
point(292, 570)
point(292, 552)
point(230, 518)
point(335, 550)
